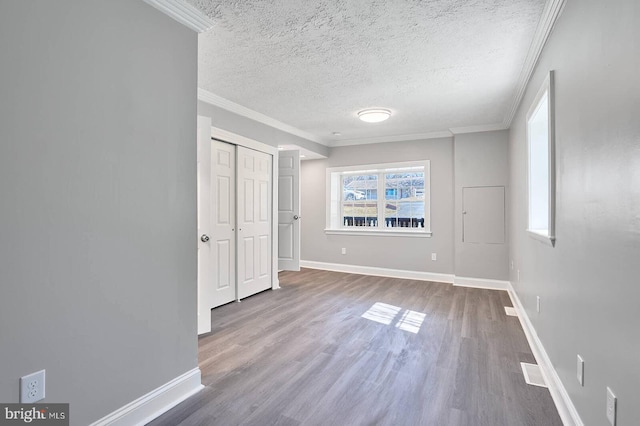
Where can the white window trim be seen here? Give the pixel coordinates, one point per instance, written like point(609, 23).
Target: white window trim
point(547, 87)
point(333, 205)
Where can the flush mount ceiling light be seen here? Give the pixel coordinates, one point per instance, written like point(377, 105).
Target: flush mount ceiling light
point(374, 115)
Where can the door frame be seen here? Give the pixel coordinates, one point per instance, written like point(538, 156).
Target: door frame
point(236, 139)
point(203, 271)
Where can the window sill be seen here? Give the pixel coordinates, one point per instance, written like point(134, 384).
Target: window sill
point(379, 233)
point(543, 237)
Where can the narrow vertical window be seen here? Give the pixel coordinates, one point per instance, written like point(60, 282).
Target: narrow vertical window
point(541, 163)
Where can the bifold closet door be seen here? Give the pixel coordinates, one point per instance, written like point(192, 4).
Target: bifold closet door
point(223, 213)
point(254, 221)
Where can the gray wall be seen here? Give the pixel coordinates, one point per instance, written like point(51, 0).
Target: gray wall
point(98, 211)
point(249, 128)
point(481, 159)
point(404, 253)
point(474, 159)
point(588, 282)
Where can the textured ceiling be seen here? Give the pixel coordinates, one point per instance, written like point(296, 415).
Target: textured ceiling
point(313, 65)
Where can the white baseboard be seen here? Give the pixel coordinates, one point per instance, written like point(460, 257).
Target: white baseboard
point(566, 409)
point(158, 401)
point(481, 283)
point(410, 275)
point(379, 272)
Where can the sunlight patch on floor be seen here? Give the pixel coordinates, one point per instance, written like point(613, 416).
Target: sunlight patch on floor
point(384, 313)
point(411, 321)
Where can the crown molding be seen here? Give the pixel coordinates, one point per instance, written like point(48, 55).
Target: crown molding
point(550, 14)
point(396, 138)
point(215, 100)
point(478, 129)
point(184, 13)
point(419, 136)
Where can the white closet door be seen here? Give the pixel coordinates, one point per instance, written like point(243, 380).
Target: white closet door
point(223, 212)
point(254, 221)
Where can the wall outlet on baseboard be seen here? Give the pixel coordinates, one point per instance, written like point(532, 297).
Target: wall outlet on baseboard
point(538, 304)
point(344, 250)
point(580, 371)
point(32, 387)
point(611, 406)
point(434, 256)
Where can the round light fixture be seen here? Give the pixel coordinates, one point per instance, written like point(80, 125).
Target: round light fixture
point(374, 115)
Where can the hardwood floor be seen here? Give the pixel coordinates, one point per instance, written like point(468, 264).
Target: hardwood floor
point(304, 355)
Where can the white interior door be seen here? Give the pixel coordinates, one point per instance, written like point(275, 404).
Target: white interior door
point(289, 211)
point(205, 266)
point(223, 220)
point(254, 221)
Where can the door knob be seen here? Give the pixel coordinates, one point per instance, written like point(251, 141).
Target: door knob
point(296, 217)
point(204, 238)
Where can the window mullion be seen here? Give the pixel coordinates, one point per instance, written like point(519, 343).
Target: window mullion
point(341, 204)
point(381, 200)
point(425, 193)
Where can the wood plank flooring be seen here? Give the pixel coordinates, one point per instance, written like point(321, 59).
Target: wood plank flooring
point(304, 355)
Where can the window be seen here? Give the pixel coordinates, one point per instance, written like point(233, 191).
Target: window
point(383, 199)
point(541, 160)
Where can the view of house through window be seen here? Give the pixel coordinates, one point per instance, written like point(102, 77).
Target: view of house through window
point(380, 198)
point(360, 195)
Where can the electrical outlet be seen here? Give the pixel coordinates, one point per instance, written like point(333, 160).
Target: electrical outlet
point(538, 304)
point(518, 275)
point(580, 371)
point(344, 250)
point(434, 256)
point(512, 265)
point(32, 387)
point(611, 407)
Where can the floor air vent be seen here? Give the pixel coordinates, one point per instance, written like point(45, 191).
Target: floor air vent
point(510, 311)
point(533, 374)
